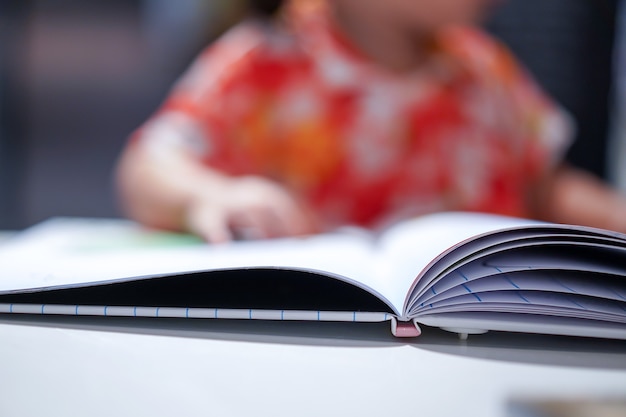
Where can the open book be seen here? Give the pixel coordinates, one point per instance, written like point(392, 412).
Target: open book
point(467, 273)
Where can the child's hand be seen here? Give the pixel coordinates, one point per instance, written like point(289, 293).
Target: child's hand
point(248, 207)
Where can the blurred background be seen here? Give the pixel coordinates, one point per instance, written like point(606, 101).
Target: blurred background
point(77, 77)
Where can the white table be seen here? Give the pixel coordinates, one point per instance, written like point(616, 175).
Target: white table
point(277, 369)
point(142, 367)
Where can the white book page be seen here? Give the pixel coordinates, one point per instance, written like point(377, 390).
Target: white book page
point(537, 280)
point(540, 268)
point(411, 246)
point(68, 251)
point(74, 251)
point(468, 322)
point(535, 302)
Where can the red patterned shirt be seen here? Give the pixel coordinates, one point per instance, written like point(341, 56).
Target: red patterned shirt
point(361, 144)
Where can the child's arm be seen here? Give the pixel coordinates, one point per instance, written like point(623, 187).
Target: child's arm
point(569, 195)
point(171, 189)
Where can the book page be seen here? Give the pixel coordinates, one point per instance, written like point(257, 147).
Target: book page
point(411, 246)
point(66, 251)
point(567, 273)
point(566, 282)
point(532, 302)
point(468, 322)
point(69, 251)
point(589, 265)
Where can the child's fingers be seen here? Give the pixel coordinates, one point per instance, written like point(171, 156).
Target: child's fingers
point(264, 209)
point(254, 208)
point(215, 231)
point(281, 218)
point(289, 215)
point(210, 224)
point(259, 222)
point(295, 220)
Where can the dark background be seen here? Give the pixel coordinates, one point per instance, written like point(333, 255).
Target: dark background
point(76, 77)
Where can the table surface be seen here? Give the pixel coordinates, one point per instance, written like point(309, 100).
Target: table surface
point(89, 366)
point(58, 367)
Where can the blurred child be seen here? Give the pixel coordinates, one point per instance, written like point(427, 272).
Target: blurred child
point(355, 112)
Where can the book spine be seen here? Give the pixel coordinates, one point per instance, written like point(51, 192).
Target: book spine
point(405, 328)
point(193, 313)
